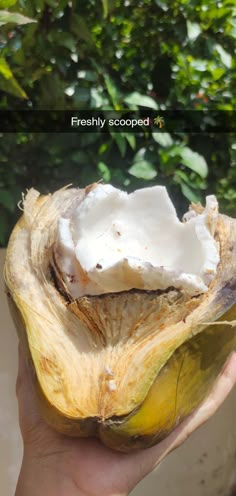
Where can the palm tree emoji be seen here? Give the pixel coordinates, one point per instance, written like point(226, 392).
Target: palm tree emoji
point(159, 121)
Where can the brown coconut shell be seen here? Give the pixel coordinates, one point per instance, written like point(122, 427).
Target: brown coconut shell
point(162, 349)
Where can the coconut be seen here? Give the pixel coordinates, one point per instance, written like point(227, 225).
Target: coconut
point(124, 310)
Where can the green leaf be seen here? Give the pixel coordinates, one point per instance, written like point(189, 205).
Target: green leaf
point(80, 28)
point(112, 91)
point(88, 139)
point(104, 171)
point(97, 99)
point(79, 156)
point(233, 31)
point(217, 73)
point(105, 8)
point(176, 150)
point(7, 200)
point(13, 17)
point(120, 141)
point(194, 161)
point(193, 30)
point(4, 4)
point(88, 75)
point(103, 148)
point(162, 5)
point(7, 81)
point(3, 228)
point(163, 139)
point(5, 70)
point(140, 155)
point(181, 176)
point(191, 195)
point(198, 64)
point(226, 58)
point(81, 95)
point(64, 39)
point(131, 139)
point(136, 98)
point(108, 6)
point(143, 170)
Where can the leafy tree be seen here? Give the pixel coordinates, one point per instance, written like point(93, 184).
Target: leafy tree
point(113, 54)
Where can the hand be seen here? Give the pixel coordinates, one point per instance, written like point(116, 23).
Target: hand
point(56, 465)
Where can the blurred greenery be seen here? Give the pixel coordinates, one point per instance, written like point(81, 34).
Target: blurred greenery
point(113, 54)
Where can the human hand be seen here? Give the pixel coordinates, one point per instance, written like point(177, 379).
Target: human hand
point(56, 465)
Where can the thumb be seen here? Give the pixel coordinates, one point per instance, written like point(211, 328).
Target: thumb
point(29, 415)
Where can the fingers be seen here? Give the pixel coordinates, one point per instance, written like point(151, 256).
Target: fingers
point(38, 438)
point(24, 384)
point(22, 371)
point(221, 389)
point(29, 415)
point(219, 393)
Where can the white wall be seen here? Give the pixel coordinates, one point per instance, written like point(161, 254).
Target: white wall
point(204, 466)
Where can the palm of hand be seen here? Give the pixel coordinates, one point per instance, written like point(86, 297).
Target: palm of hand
point(91, 467)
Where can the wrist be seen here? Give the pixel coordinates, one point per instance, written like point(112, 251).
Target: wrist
point(41, 477)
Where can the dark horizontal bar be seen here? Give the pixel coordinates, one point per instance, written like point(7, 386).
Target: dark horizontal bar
point(181, 121)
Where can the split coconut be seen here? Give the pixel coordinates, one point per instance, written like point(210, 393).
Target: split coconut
point(125, 311)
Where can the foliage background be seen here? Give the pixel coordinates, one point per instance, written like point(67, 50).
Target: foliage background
point(115, 54)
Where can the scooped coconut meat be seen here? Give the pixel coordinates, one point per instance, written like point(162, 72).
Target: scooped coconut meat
point(115, 241)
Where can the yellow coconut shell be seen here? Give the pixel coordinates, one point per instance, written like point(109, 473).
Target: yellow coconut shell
point(126, 367)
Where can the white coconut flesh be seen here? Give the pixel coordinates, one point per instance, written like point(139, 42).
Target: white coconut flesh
point(115, 241)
